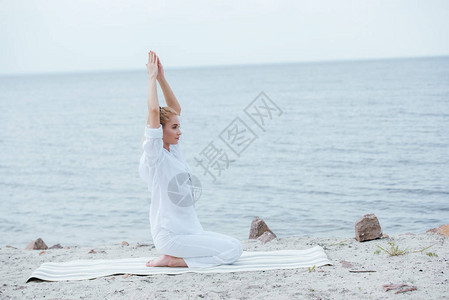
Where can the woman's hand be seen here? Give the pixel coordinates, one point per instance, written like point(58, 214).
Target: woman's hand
point(160, 69)
point(152, 65)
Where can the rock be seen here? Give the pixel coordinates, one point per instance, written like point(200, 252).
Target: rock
point(258, 227)
point(92, 251)
point(38, 244)
point(266, 237)
point(124, 243)
point(441, 230)
point(8, 246)
point(57, 246)
point(367, 228)
point(42, 252)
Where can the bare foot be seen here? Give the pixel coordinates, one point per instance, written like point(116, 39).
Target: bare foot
point(167, 261)
point(161, 261)
point(177, 262)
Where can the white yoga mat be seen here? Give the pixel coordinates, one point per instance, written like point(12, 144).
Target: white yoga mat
point(249, 261)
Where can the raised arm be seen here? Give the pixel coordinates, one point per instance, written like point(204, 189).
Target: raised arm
point(170, 98)
point(153, 102)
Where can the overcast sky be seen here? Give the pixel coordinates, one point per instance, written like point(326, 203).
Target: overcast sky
point(41, 36)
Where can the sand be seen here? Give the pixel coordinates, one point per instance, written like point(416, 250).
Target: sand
point(428, 273)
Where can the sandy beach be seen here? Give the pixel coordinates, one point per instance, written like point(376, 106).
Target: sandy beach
point(359, 271)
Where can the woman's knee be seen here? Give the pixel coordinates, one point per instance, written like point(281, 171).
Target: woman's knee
point(239, 246)
point(234, 253)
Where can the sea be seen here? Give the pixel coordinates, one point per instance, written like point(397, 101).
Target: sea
point(309, 148)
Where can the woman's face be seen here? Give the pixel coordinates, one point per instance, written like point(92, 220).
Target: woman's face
point(171, 131)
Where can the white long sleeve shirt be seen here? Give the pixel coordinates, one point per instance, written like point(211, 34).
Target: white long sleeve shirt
point(172, 201)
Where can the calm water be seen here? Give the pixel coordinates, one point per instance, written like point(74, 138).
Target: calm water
point(354, 138)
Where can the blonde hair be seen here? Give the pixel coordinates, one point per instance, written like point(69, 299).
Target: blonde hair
point(165, 112)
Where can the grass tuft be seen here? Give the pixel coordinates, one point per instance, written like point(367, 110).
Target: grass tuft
point(393, 250)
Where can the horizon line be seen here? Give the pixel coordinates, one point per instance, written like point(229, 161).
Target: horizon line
point(190, 67)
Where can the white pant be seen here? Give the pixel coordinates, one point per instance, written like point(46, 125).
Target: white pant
point(200, 250)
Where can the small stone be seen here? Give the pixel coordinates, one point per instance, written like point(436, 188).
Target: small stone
point(57, 246)
point(92, 251)
point(258, 227)
point(42, 252)
point(8, 246)
point(38, 244)
point(124, 243)
point(266, 237)
point(441, 230)
point(367, 228)
point(346, 264)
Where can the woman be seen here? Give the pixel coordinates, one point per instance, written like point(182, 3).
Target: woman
point(175, 228)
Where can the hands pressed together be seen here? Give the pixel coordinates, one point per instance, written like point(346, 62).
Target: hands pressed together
point(154, 66)
point(156, 73)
